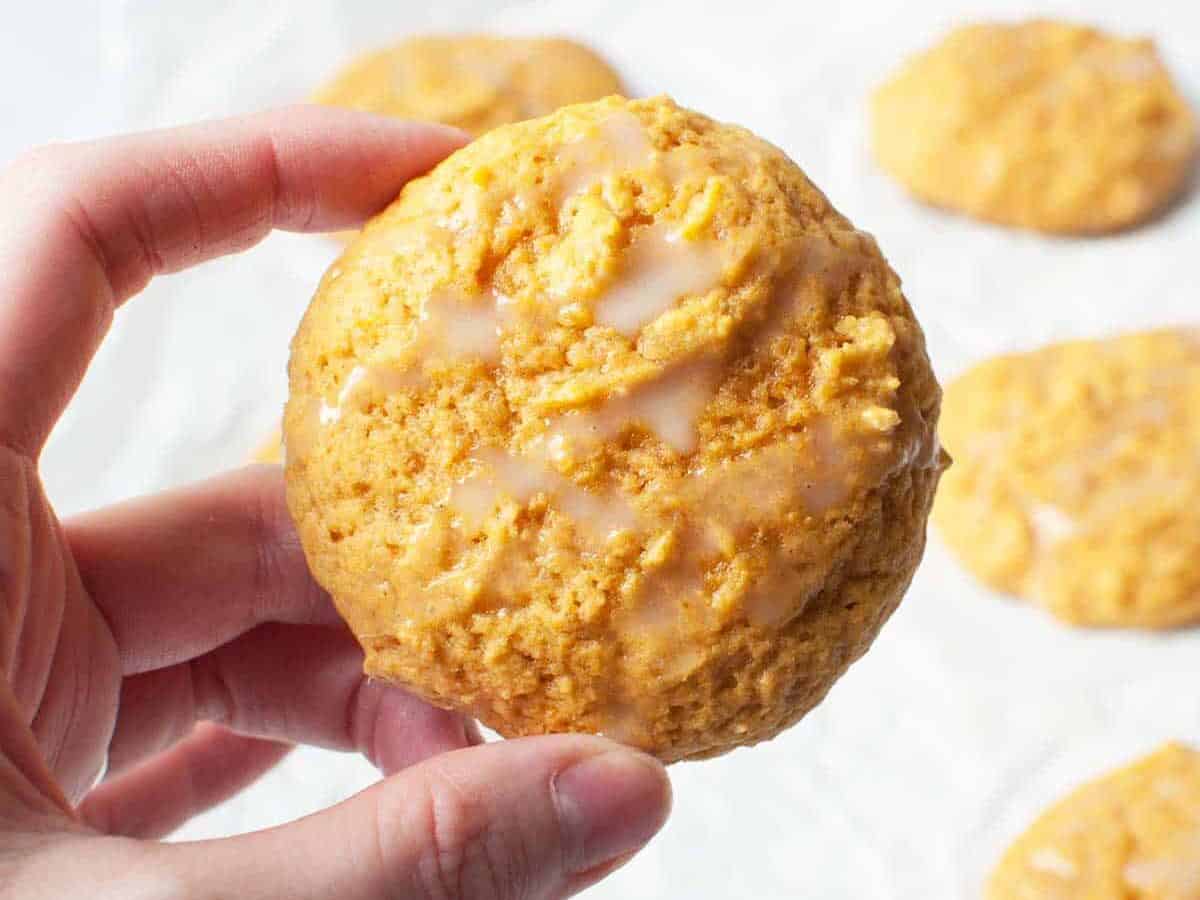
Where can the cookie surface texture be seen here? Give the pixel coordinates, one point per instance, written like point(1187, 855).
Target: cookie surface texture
point(611, 423)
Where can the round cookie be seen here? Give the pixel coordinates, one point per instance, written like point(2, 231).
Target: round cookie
point(1132, 834)
point(1076, 482)
point(611, 423)
point(1041, 125)
point(473, 82)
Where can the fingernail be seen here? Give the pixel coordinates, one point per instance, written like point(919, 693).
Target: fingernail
point(611, 804)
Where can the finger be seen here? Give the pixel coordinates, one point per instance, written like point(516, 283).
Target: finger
point(529, 818)
point(56, 661)
point(74, 716)
point(85, 226)
point(179, 573)
point(301, 684)
point(207, 767)
point(28, 790)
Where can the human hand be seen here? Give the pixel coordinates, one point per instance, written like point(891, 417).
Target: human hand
point(180, 637)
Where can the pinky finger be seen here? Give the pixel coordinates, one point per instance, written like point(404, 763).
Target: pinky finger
point(154, 798)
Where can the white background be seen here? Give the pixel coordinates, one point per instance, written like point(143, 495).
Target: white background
point(971, 712)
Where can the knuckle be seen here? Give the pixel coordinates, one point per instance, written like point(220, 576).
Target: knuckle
point(362, 719)
point(270, 584)
point(453, 828)
point(282, 588)
point(293, 198)
point(465, 855)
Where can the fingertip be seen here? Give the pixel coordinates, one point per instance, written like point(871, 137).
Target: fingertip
point(592, 876)
point(611, 804)
point(579, 805)
point(446, 135)
point(403, 730)
point(406, 136)
point(414, 146)
point(530, 817)
point(337, 167)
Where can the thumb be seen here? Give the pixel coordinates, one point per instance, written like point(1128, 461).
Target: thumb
point(536, 817)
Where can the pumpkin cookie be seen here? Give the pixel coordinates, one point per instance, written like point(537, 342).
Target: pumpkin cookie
point(472, 82)
point(1132, 834)
point(612, 423)
point(1077, 484)
point(1041, 125)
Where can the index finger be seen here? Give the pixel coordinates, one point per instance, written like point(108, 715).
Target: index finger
point(83, 227)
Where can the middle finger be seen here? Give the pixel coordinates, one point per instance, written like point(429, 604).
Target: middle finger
point(182, 572)
point(294, 683)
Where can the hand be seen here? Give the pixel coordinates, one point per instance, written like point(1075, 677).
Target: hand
point(179, 637)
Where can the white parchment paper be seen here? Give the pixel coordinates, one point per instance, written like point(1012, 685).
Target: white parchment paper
point(971, 712)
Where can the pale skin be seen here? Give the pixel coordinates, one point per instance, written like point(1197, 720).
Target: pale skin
point(178, 639)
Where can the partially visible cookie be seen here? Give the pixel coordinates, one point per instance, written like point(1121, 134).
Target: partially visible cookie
point(474, 82)
point(1077, 478)
point(1132, 835)
point(1041, 125)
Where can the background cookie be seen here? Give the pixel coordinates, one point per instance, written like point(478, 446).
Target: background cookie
point(1076, 482)
point(472, 82)
point(1132, 834)
point(1043, 125)
point(612, 423)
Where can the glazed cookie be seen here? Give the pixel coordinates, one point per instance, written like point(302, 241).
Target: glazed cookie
point(613, 424)
point(472, 82)
point(1041, 125)
point(1076, 484)
point(1132, 834)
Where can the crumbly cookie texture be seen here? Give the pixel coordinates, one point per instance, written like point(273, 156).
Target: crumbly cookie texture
point(474, 82)
point(611, 423)
point(1132, 834)
point(1041, 125)
point(1076, 484)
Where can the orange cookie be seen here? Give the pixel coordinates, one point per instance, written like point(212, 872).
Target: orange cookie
point(613, 424)
point(1076, 482)
point(1132, 835)
point(1041, 125)
point(472, 82)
